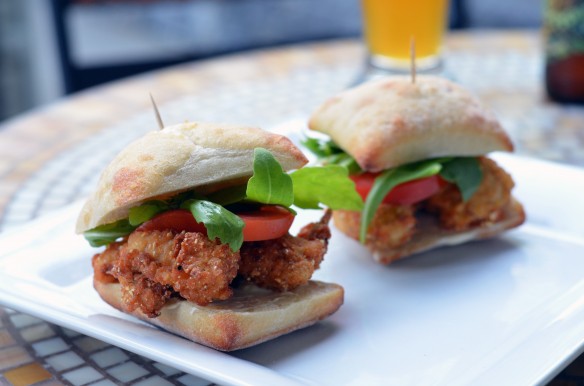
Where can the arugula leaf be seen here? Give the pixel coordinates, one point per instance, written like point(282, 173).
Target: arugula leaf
point(345, 160)
point(146, 211)
point(269, 183)
point(220, 222)
point(465, 173)
point(313, 145)
point(329, 185)
point(108, 233)
point(389, 179)
point(321, 148)
point(329, 153)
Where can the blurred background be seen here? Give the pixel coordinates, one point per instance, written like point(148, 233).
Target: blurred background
point(51, 48)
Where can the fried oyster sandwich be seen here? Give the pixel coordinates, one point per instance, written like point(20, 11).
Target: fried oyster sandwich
point(418, 153)
point(195, 221)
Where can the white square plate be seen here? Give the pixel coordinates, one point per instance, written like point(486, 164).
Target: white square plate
point(503, 311)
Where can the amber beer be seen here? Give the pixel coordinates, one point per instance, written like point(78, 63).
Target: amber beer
point(389, 26)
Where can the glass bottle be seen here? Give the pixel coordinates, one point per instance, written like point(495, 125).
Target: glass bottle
point(564, 37)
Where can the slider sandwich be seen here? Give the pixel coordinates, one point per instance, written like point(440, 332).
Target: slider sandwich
point(195, 222)
point(417, 152)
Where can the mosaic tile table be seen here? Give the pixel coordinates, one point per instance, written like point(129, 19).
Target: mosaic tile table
point(261, 88)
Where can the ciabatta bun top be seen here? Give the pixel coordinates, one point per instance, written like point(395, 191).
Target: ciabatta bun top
point(391, 121)
point(200, 156)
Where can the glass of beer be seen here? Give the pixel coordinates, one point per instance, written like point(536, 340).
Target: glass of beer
point(390, 25)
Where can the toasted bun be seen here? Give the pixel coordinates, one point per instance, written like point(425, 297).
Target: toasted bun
point(389, 122)
point(252, 316)
point(430, 235)
point(200, 156)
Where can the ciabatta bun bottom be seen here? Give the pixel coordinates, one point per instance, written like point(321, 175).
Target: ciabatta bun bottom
point(430, 235)
point(253, 315)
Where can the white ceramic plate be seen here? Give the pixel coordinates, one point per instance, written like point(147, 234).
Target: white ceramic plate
point(503, 311)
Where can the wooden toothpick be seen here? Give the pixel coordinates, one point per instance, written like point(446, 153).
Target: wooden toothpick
point(157, 113)
point(413, 58)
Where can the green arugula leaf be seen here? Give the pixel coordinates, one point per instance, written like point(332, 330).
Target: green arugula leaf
point(329, 153)
point(141, 214)
point(329, 185)
point(343, 159)
point(220, 222)
point(465, 173)
point(315, 147)
point(321, 148)
point(389, 179)
point(108, 233)
point(269, 183)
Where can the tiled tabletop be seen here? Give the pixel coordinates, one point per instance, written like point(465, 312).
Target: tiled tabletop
point(38, 149)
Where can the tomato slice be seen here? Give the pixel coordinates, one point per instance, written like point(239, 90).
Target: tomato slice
point(177, 220)
point(408, 193)
point(266, 223)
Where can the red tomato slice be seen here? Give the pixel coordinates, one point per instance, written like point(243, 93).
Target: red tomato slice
point(176, 220)
point(266, 223)
point(407, 193)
